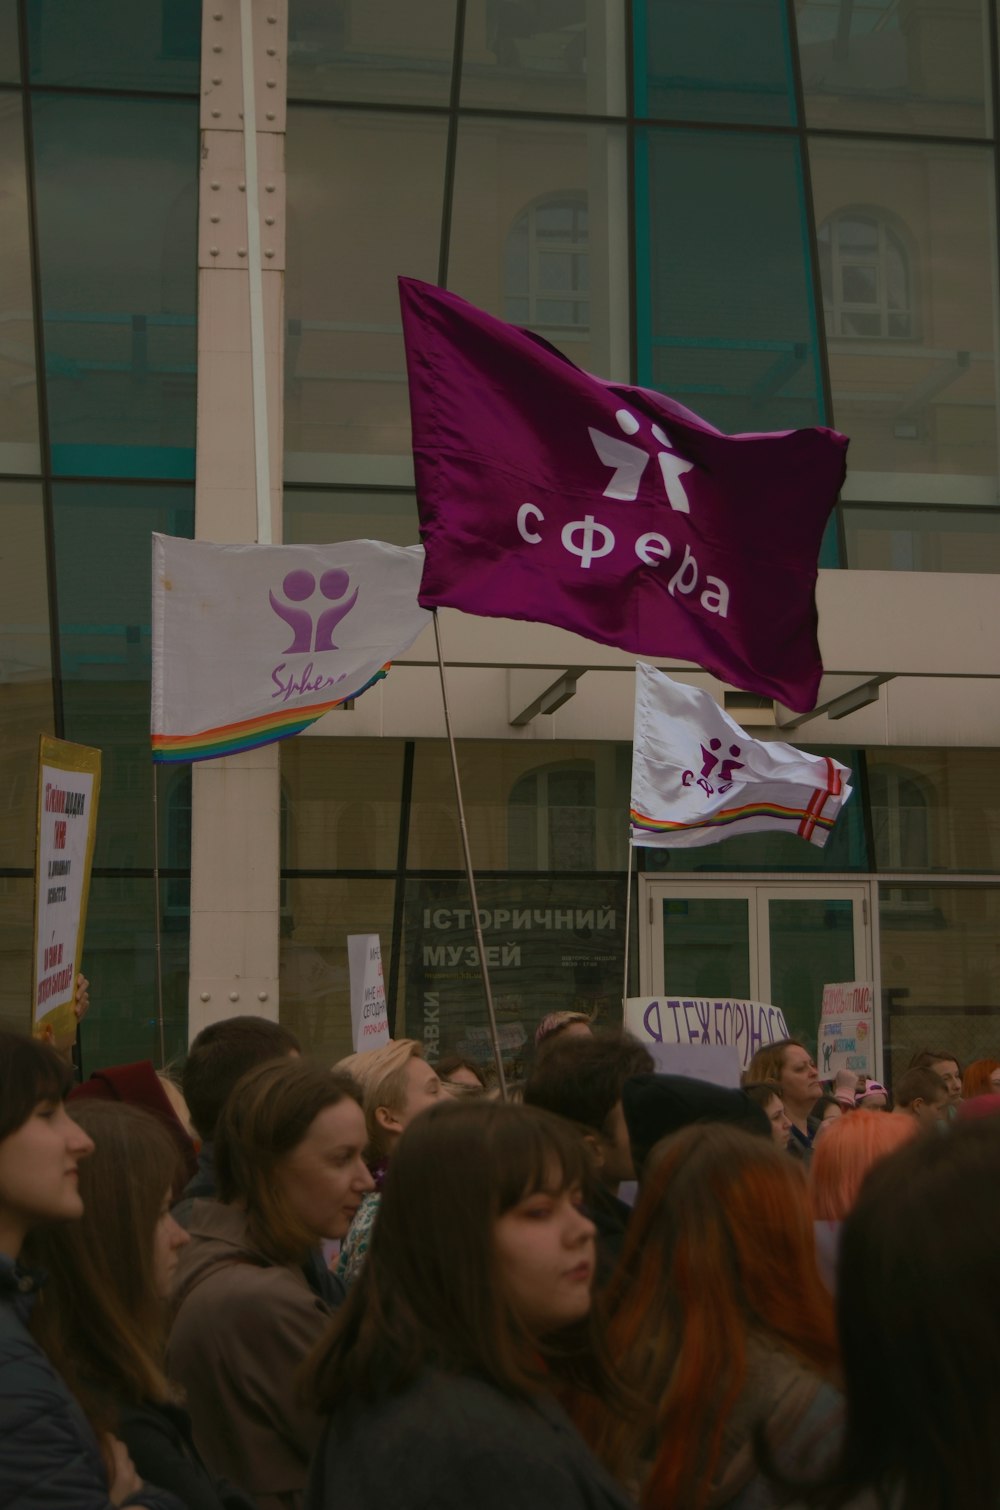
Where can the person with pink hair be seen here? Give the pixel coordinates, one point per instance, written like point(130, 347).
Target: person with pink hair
point(842, 1159)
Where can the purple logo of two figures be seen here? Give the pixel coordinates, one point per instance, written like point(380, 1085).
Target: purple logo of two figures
point(726, 767)
point(299, 586)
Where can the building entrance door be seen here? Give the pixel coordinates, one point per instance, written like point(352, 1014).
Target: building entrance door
point(763, 940)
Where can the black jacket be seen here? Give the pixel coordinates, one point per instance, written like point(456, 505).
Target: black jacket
point(160, 1444)
point(451, 1443)
point(49, 1457)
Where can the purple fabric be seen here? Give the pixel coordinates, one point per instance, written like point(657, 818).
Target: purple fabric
point(550, 495)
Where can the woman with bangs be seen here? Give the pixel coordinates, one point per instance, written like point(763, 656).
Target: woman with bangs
point(472, 1310)
point(719, 1323)
point(50, 1457)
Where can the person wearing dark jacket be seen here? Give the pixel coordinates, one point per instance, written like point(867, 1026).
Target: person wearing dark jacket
point(471, 1311)
point(581, 1080)
point(50, 1458)
point(103, 1315)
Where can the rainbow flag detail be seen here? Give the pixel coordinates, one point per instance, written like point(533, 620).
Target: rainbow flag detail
point(697, 777)
point(249, 734)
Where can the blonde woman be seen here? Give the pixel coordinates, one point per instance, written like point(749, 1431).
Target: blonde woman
point(396, 1084)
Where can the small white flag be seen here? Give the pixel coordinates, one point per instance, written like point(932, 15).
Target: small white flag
point(252, 643)
point(697, 777)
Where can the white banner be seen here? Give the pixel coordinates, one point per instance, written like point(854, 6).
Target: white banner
point(369, 1012)
point(847, 1028)
point(748, 1025)
point(69, 782)
point(697, 777)
point(251, 643)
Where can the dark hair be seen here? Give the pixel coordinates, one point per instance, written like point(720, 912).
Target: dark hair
point(926, 1059)
point(823, 1106)
point(581, 1079)
point(220, 1055)
point(99, 1317)
point(921, 1426)
point(268, 1114)
point(763, 1092)
point(919, 1085)
point(29, 1072)
point(431, 1294)
point(452, 1062)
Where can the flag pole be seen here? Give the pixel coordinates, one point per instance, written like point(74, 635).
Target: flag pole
point(156, 916)
point(480, 947)
point(628, 919)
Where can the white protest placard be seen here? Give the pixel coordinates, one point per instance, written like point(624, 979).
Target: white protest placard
point(369, 1013)
point(718, 1063)
point(847, 1028)
point(69, 783)
point(749, 1025)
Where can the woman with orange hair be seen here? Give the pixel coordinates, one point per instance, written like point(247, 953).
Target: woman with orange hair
point(981, 1078)
point(843, 1157)
point(719, 1321)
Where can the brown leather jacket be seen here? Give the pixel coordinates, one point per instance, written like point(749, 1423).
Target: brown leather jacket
point(242, 1328)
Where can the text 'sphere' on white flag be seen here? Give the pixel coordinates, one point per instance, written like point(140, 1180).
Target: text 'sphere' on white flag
point(698, 778)
point(252, 643)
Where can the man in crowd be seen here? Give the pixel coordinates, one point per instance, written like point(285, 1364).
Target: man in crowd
point(947, 1066)
point(922, 1094)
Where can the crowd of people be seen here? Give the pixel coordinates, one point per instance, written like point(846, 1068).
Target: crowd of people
point(293, 1287)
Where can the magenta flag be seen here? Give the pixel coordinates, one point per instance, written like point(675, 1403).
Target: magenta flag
point(550, 495)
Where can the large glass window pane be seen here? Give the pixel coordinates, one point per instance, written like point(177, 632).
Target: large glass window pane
point(10, 57)
point(343, 802)
point(553, 944)
point(880, 65)
point(25, 667)
point(567, 58)
point(538, 234)
point(316, 918)
point(940, 952)
point(117, 193)
point(104, 594)
point(934, 809)
point(120, 961)
point(378, 52)
point(962, 540)
point(907, 238)
point(706, 946)
point(560, 807)
point(364, 205)
point(18, 389)
point(17, 932)
point(811, 943)
point(116, 43)
point(726, 322)
point(313, 516)
point(727, 61)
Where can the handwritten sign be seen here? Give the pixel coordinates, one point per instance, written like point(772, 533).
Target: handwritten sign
point(69, 781)
point(369, 1013)
point(847, 1028)
point(748, 1025)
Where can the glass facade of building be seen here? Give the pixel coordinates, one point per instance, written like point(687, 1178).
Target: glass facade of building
point(780, 213)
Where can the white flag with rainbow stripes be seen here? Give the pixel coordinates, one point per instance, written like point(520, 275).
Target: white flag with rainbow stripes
point(252, 643)
point(697, 777)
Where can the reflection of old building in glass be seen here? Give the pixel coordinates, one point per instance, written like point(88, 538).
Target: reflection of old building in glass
point(781, 215)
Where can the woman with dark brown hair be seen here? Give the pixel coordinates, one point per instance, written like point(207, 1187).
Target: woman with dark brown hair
point(102, 1317)
point(439, 1373)
point(50, 1456)
point(290, 1171)
point(720, 1325)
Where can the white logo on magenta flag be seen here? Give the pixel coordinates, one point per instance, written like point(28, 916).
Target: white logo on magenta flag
point(551, 495)
point(697, 777)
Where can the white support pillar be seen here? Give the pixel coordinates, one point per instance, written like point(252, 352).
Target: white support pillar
point(235, 856)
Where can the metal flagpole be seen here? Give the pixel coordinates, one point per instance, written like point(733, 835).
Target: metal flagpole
point(481, 948)
point(628, 921)
point(156, 919)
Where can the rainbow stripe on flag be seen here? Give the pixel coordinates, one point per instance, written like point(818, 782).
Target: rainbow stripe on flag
point(248, 734)
point(775, 815)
